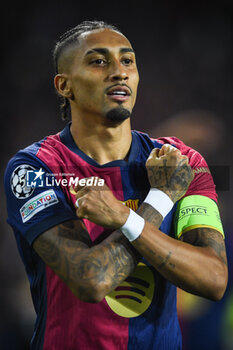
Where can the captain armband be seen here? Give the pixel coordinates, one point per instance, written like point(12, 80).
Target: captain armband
point(197, 211)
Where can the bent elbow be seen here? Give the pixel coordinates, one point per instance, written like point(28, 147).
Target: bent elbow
point(95, 296)
point(89, 293)
point(87, 296)
point(219, 292)
point(99, 291)
point(217, 295)
point(92, 298)
point(220, 284)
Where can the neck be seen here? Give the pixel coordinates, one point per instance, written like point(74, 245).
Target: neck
point(101, 139)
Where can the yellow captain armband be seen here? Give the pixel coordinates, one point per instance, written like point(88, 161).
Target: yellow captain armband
point(197, 211)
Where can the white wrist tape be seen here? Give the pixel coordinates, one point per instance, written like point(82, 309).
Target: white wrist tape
point(133, 226)
point(159, 201)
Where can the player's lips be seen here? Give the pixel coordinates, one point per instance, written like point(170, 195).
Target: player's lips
point(118, 92)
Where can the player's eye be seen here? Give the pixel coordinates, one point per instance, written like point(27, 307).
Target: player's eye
point(98, 62)
point(127, 61)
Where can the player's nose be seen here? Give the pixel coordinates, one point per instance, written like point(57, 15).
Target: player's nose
point(117, 72)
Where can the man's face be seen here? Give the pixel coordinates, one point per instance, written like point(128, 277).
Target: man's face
point(103, 75)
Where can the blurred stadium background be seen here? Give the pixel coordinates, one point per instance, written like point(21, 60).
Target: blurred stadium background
point(185, 59)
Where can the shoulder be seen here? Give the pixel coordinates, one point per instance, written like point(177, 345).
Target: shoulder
point(34, 204)
point(24, 161)
point(160, 141)
point(202, 183)
point(30, 154)
point(195, 158)
point(23, 157)
point(174, 141)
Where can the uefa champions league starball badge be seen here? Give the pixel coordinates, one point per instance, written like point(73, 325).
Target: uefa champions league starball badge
point(18, 182)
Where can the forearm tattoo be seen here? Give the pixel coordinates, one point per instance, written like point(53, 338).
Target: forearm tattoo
point(68, 250)
point(200, 237)
point(206, 237)
point(155, 218)
point(150, 214)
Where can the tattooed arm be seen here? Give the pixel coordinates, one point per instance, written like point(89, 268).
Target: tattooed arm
point(91, 272)
point(196, 263)
point(212, 243)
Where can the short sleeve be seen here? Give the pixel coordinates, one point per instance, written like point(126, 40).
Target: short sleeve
point(33, 209)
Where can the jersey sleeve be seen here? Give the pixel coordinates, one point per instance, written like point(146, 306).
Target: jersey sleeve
point(202, 183)
point(33, 209)
point(198, 207)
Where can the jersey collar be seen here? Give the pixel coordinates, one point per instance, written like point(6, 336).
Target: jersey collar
point(67, 139)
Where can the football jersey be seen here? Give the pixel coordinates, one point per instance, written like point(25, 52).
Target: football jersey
point(141, 312)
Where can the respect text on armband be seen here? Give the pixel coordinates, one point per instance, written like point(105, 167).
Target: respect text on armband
point(192, 210)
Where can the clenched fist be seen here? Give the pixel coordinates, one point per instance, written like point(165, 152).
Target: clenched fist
point(169, 171)
point(99, 205)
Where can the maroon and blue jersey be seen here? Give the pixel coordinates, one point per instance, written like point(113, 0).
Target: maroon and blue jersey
point(141, 312)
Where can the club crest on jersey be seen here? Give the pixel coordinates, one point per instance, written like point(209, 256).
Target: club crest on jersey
point(38, 203)
point(131, 203)
point(18, 182)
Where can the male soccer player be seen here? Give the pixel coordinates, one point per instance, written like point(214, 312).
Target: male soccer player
point(105, 253)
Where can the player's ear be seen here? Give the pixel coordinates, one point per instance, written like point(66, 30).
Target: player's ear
point(62, 86)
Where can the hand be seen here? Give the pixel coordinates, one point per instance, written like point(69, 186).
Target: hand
point(169, 171)
point(99, 205)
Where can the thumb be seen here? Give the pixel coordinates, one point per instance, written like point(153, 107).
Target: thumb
point(75, 189)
